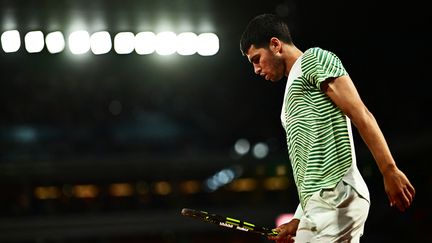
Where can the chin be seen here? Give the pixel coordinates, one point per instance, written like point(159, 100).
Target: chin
point(273, 80)
point(277, 78)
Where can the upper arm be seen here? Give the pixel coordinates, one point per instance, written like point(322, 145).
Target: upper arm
point(344, 95)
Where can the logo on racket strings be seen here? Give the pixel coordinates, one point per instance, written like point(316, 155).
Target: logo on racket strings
point(226, 225)
point(242, 228)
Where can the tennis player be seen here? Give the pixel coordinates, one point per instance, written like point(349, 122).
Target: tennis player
point(319, 105)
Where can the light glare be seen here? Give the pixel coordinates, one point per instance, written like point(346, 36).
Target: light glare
point(10, 41)
point(260, 150)
point(208, 44)
point(166, 43)
point(79, 42)
point(124, 42)
point(186, 43)
point(145, 43)
point(55, 42)
point(34, 41)
point(100, 42)
point(242, 146)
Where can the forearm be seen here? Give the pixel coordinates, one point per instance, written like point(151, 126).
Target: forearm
point(373, 137)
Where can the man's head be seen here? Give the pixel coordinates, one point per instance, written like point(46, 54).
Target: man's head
point(261, 29)
point(262, 43)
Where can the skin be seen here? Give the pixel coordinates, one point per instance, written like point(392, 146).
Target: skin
point(274, 63)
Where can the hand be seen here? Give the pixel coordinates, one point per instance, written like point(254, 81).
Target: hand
point(399, 190)
point(286, 232)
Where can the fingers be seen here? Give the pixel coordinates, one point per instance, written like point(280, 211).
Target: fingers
point(274, 237)
point(402, 204)
point(403, 199)
point(399, 190)
point(410, 195)
point(282, 237)
point(411, 190)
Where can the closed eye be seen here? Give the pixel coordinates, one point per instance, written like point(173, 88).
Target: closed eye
point(255, 59)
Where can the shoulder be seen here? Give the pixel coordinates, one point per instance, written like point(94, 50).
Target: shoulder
point(317, 52)
point(319, 56)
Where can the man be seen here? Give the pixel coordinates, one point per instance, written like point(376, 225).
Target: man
point(319, 105)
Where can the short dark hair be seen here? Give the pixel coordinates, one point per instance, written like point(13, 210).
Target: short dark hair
point(261, 29)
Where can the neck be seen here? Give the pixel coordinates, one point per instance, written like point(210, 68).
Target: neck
point(291, 55)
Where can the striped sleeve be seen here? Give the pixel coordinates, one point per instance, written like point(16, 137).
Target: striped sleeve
point(319, 65)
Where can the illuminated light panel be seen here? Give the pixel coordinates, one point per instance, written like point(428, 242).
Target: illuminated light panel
point(220, 179)
point(124, 42)
point(79, 42)
point(55, 42)
point(166, 43)
point(34, 41)
point(121, 190)
point(242, 146)
point(10, 41)
point(260, 150)
point(85, 191)
point(145, 43)
point(100, 42)
point(243, 185)
point(162, 188)
point(47, 192)
point(186, 43)
point(281, 170)
point(276, 183)
point(208, 44)
point(190, 187)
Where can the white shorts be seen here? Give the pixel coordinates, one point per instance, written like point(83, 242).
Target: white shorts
point(333, 215)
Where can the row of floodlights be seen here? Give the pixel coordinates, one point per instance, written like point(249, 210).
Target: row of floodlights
point(143, 43)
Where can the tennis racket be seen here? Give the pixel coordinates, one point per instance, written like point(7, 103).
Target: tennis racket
point(228, 222)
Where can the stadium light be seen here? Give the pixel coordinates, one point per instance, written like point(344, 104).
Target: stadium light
point(79, 42)
point(166, 43)
point(260, 150)
point(208, 44)
point(100, 42)
point(124, 42)
point(145, 43)
point(186, 43)
point(34, 41)
point(10, 41)
point(55, 42)
point(242, 146)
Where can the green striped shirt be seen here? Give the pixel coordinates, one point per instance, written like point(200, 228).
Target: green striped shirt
point(316, 130)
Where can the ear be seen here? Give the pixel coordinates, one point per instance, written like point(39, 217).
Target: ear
point(275, 45)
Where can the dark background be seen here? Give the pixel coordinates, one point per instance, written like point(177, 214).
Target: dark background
point(180, 117)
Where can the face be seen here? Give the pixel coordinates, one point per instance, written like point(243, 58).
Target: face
point(266, 62)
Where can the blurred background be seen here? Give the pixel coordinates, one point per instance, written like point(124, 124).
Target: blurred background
point(104, 139)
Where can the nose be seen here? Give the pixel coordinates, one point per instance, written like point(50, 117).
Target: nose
point(257, 69)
